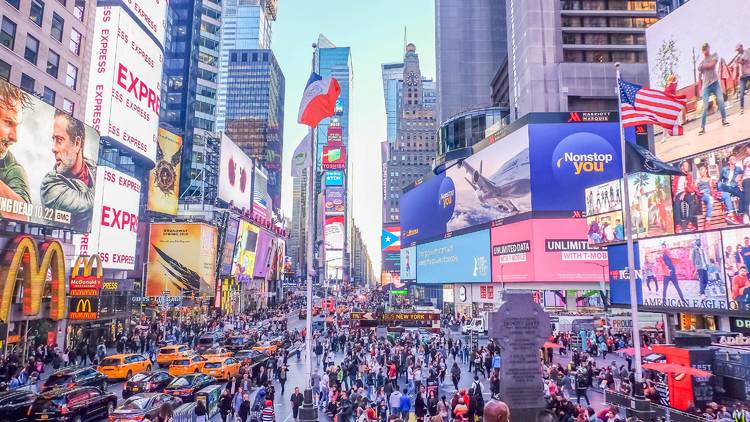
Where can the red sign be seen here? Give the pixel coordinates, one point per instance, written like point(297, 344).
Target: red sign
point(486, 292)
point(334, 158)
point(86, 282)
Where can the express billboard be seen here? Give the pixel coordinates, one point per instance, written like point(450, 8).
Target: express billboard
point(243, 262)
point(334, 178)
point(152, 14)
point(546, 250)
point(124, 91)
point(334, 158)
point(334, 232)
point(458, 259)
point(335, 199)
point(235, 174)
point(181, 258)
point(47, 163)
point(116, 207)
point(709, 79)
point(164, 179)
point(407, 263)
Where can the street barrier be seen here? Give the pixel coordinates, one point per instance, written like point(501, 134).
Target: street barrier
point(184, 413)
point(659, 412)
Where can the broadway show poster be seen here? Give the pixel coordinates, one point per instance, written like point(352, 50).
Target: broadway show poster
point(243, 262)
point(650, 205)
point(164, 179)
point(736, 263)
point(47, 164)
point(683, 272)
point(181, 258)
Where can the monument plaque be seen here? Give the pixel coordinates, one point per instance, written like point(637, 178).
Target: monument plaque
point(520, 327)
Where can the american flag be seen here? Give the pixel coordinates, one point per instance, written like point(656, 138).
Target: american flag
point(645, 106)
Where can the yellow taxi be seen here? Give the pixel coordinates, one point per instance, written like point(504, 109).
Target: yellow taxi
point(216, 352)
point(268, 347)
point(187, 365)
point(221, 368)
point(168, 354)
point(124, 366)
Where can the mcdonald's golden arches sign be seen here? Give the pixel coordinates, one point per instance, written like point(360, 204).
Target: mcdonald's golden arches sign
point(80, 274)
point(83, 308)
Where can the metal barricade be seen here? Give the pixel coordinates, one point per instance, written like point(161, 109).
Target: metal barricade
point(659, 413)
point(184, 413)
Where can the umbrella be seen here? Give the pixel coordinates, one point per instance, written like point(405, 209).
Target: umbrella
point(630, 351)
point(673, 368)
point(550, 345)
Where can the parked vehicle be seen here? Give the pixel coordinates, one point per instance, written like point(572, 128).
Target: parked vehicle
point(14, 405)
point(76, 404)
point(142, 406)
point(146, 383)
point(124, 366)
point(168, 354)
point(186, 386)
point(75, 376)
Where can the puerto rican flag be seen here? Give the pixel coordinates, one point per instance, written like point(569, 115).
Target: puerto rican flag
point(391, 238)
point(318, 100)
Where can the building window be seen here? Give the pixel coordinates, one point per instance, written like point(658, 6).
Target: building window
point(32, 49)
point(53, 63)
point(27, 83)
point(4, 70)
point(49, 96)
point(63, 2)
point(75, 42)
point(8, 33)
point(36, 14)
point(68, 106)
point(14, 3)
point(71, 77)
point(79, 9)
point(58, 24)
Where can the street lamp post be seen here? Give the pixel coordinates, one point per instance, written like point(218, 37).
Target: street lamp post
point(602, 285)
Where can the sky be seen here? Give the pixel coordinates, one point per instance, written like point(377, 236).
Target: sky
point(375, 32)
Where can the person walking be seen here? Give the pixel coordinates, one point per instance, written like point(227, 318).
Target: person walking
point(200, 411)
point(581, 388)
point(405, 406)
point(282, 377)
point(296, 400)
point(268, 414)
point(225, 405)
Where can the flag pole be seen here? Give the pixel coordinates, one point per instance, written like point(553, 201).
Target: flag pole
point(310, 249)
point(638, 387)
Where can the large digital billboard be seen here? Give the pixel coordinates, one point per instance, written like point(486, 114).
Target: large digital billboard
point(619, 278)
point(546, 250)
point(152, 14)
point(407, 264)
point(650, 204)
point(334, 158)
point(458, 259)
point(683, 272)
point(567, 158)
point(124, 91)
point(334, 178)
point(606, 228)
point(334, 232)
point(164, 179)
point(114, 233)
point(263, 254)
point(230, 236)
point(235, 174)
point(708, 77)
point(604, 198)
point(335, 200)
point(47, 163)
point(181, 259)
point(243, 262)
point(391, 261)
point(736, 243)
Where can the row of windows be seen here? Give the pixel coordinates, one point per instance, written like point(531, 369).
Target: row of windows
point(606, 22)
point(608, 5)
point(28, 84)
point(575, 56)
point(604, 39)
point(37, 9)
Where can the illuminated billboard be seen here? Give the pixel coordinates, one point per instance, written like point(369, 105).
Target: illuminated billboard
point(243, 262)
point(407, 263)
point(48, 162)
point(650, 204)
point(334, 158)
point(334, 178)
point(114, 235)
point(334, 135)
point(235, 174)
point(164, 179)
point(606, 228)
point(458, 259)
point(334, 232)
point(124, 91)
point(604, 198)
point(264, 254)
point(152, 14)
point(736, 249)
point(708, 78)
point(335, 200)
point(181, 259)
point(230, 236)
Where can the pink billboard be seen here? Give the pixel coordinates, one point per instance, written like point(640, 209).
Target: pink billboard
point(547, 251)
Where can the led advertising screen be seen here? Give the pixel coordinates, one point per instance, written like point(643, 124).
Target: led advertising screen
point(619, 281)
point(391, 261)
point(650, 205)
point(391, 278)
point(115, 232)
point(335, 199)
point(708, 78)
point(233, 226)
point(243, 262)
point(334, 178)
point(567, 158)
point(334, 232)
point(407, 264)
point(181, 258)
point(334, 264)
point(604, 198)
point(334, 158)
point(492, 184)
point(606, 228)
point(263, 254)
point(151, 13)
point(124, 92)
point(164, 179)
point(235, 174)
point(334, 135)
point(47, 164)
point(546, 250)
point(459, 259)
point(686, 272)
point(736, 243)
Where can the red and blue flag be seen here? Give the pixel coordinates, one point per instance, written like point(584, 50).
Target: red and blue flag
point(318, 100)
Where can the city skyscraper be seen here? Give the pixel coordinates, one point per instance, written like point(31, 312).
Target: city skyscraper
point(470, 38)
point(392, 80)
point(254, 115)
point(562, 52)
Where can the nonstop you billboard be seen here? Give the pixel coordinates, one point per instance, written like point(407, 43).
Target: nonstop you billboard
point(543, 162)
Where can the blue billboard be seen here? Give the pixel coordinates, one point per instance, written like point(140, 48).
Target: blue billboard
point(458, 259)
point(334, 178)
point(567, 158)
point(619, 282)
point(422, 214)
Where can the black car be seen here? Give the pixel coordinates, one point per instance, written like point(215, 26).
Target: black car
point(75, 377)
point(146, 383)
point(207, 341)
point(250, 357)
point(141, 406)
point(237, 343)
point(76, 404)
point(14, 405)
point(186, 386)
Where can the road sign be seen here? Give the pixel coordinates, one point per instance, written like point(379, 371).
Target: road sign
point(400, 292)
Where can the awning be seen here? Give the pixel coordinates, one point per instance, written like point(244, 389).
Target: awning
point(550, 345)
point(630, 351)
point(673, 368)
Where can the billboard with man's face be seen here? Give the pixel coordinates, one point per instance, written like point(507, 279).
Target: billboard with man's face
point(47, 163)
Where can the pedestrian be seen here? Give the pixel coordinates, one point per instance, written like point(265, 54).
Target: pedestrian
point(200, 411)
point(296, 400)
point(268, 414)
point(581, 388)
point(395, 402)
point(405, 405)
point(225, 405)
point(244, 410)
point(282, 377)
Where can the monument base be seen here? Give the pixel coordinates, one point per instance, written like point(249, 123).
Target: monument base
point(308, 412)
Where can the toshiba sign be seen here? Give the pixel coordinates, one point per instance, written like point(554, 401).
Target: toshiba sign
point(115, 224)
point(124, 91)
